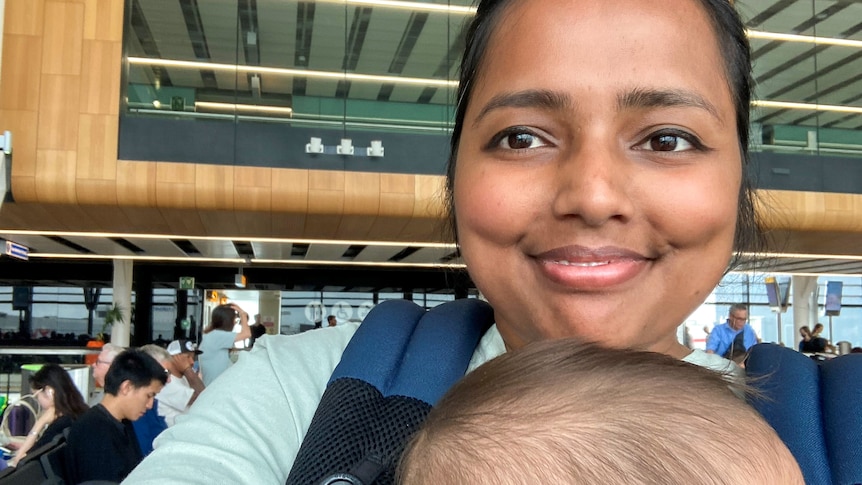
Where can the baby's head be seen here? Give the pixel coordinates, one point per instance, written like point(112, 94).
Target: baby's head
point(560, 410)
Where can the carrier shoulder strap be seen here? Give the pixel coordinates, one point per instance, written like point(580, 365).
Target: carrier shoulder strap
point(814, 408)
point(399, 363)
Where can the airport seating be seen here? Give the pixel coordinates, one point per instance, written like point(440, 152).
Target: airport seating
point(815, 408)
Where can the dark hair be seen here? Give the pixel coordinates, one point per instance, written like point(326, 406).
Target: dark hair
point(223, 318)
point(67, 398)
point(135, 366)
point(733, 44)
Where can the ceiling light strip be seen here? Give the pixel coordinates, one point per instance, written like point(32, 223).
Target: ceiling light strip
point(378, 264)
point(334, 75)
point(807, 106)
point(293, 262)
point(228, 238)
point(808, 39)
point(243, 107)
point(109, 257)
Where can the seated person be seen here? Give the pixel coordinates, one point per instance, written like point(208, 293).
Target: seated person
point(100, 368)
point(61, 403)
point(185, 384)
point(560, 411)
point(102, 444)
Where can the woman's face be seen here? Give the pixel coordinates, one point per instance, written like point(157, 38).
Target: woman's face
point(45, 397)
point(598, 171)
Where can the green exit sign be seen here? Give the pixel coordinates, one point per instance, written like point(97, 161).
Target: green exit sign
point(178, 103)
point(187, 283)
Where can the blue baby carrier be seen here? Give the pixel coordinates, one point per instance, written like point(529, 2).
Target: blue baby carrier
point(402, 360)
point(816, 408)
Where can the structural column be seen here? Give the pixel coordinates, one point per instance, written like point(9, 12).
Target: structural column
point(120, 333)
point(804, 304)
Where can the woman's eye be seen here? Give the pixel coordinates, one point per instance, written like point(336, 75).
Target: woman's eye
point(517, 139)
point(670, 142)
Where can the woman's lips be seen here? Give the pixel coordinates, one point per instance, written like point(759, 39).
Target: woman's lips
point(584, 269)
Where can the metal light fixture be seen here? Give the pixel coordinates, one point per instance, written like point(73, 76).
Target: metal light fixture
point(376, 149)
point(315, 145)
point(345, 148)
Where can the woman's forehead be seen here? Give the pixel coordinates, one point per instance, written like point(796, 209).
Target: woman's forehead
point(557, 44)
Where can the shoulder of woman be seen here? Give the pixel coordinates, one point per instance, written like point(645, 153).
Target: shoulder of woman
point(317, 339)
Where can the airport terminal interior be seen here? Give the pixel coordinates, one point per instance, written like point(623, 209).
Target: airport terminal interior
point(165, 156)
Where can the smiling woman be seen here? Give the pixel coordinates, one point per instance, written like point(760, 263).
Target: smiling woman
point(596, 176)
point(596, 188)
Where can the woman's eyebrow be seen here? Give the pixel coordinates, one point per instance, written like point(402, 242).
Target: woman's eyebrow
point(531, 98)
point(661, 98)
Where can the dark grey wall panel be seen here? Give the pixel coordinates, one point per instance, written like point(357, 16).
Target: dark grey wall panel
point(276, 145)
point(809, 173)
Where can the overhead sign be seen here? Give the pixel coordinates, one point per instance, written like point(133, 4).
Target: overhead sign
point(17, 251)
point(187, 282)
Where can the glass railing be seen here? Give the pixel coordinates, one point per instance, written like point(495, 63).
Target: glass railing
point(369, 66)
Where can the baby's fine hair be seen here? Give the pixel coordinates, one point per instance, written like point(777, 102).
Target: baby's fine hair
point(561, 410)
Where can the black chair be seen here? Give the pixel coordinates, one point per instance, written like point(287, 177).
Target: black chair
point(41, 466)
point(24, 474)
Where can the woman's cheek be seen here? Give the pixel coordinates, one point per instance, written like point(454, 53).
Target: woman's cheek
point(485, 206)
point(698, 211)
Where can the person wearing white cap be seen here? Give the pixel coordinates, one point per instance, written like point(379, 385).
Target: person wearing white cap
point(185, 384)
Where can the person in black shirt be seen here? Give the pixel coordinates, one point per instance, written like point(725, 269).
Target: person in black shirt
point(102, 444)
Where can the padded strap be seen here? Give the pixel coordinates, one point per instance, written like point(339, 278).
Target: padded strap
point(440, 349)
point(841, 384)
point(376, 349)
point(401, 350)
point(400, 361)
point(790, 383)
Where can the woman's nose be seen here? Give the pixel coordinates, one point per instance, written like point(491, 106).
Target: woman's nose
point(593, 184)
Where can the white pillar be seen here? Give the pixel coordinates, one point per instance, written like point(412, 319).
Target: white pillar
point(120, 333)
point(804, 304)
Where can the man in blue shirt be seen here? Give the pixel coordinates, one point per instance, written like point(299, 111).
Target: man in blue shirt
point(733, 337)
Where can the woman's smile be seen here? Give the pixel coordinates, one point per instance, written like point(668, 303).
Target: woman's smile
point(583, 269)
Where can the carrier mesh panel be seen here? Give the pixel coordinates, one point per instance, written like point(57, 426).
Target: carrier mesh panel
point(352, 421)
